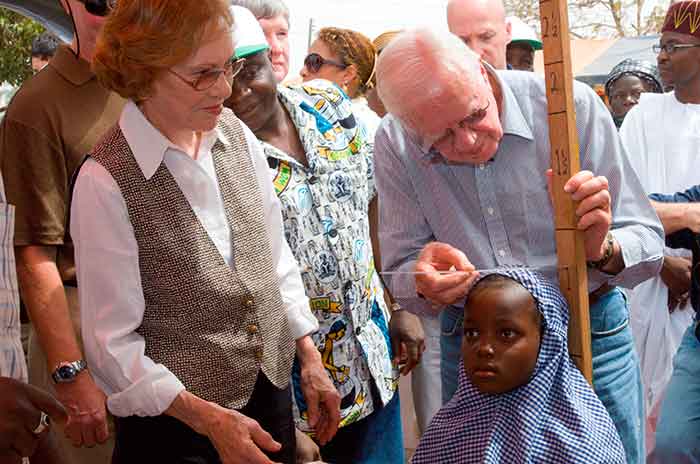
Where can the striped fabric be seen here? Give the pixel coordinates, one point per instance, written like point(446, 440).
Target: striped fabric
point(12, 363)
point(555, 418)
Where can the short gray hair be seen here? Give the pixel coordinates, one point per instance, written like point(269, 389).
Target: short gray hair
point(264, 9)
point(420, 65)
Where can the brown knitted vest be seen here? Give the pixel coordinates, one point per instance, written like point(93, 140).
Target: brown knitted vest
point(213, 326)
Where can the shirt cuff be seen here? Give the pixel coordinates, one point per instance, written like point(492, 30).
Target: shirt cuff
point(147, 397)
point(640, 263)
point(302, 321)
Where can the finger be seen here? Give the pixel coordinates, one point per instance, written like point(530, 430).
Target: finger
point(10, 456)
point(443, 256)
point(432, 285)
point(597, 217)
point(599, 200)
point(263, 439)
point(332, 416)
point(47, 403)
point(88, 431)
point(73, 432)
point(102, 428)
point(395, 348)
point(25, 442)
point(253, 455)
point(412, 357)
point(323, 432)
point(577, 180)
point(454, 294)
point(590, 187)
point(312, 400)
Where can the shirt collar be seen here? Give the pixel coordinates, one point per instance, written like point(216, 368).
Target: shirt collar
point(75, 70)
point(513, 121)
point(149, 145)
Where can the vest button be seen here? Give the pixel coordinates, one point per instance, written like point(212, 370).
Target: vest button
point(358, 330)
point(249, 303)
point(332, 233)
point(313, 179)
point(252, 329)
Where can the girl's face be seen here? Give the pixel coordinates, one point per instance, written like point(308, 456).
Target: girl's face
point(501, 338)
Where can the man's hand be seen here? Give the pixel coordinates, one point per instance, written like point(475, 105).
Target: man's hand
point(440, 288)
point(593, 211)
point(21, 406)
point(322, 399)
point(407, 340)
point(87, 413)
point(676, 274)
point(307, 450)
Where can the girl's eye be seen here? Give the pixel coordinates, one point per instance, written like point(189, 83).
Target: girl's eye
point(471, 333)
point(508, 334)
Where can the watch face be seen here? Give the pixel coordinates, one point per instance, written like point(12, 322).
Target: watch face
point(66, 372)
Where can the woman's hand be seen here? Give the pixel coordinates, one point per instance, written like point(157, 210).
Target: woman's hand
point(237, 438)
point(322, 399)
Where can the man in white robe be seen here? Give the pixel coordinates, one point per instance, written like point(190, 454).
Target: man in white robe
point(662, 135)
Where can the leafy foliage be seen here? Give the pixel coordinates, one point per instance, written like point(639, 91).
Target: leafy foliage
point(16, 35)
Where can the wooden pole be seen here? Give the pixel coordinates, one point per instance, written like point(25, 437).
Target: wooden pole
point(563, 138)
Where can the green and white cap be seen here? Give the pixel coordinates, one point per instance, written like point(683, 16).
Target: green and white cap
point(522, 33)
point(248, 36)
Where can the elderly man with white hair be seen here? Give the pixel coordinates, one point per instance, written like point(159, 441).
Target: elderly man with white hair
point(462, 167)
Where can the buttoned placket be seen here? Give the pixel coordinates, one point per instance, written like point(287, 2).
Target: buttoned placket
point(486, 184)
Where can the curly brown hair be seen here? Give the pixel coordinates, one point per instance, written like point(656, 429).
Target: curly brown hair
point(142, 38)
point(353, 48)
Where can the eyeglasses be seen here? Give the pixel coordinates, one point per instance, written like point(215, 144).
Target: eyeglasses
point(99, 7)
point(210, 77)
point(670, 49)
point(314, 61)
point(472, 119)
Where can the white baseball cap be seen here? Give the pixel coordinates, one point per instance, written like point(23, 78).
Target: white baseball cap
point(248, 36)
point(522, 33)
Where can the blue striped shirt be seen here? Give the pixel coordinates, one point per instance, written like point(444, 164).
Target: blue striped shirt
point(499, 213)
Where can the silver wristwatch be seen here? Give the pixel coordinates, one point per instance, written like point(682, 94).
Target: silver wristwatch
point(67, 371)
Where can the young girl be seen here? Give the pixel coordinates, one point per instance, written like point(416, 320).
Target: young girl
point(520, 397)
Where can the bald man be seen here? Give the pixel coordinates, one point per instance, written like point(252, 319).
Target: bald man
point(482, 25)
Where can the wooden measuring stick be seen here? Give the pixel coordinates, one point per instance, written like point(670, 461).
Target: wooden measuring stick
point(563, 138)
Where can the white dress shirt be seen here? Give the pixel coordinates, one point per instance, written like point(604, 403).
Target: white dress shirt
point(106, 254)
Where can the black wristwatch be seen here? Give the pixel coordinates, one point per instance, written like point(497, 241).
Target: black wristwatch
point(66, 371)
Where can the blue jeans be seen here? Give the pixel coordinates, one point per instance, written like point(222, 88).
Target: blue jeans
point(376, 439)
point(616, 375)
point(678, 430)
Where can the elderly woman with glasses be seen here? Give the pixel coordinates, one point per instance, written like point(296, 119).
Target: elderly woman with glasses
point(194, 305)
point(322, 167)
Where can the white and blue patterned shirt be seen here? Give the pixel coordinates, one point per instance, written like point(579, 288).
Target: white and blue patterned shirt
point(499, 213)
point(12, 362)
point(325, 214)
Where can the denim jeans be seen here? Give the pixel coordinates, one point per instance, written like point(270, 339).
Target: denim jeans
point(616, 375)
point(678, 429)
point(376, 439)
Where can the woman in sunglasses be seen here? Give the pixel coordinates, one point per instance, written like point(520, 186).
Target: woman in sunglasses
point(346, 58)
point(193, 305)
point(322, 167)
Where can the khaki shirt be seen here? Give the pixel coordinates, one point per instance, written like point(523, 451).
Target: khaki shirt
point(53, 121)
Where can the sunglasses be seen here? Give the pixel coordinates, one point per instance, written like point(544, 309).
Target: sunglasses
point(313, 62)
point(99, 7)
point(208, 78)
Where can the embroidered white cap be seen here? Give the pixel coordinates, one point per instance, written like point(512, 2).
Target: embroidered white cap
point(248, 36)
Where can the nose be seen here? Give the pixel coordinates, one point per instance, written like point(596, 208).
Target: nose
point(465, 138)
point(275, 46)
point(485, 349)
point(222, 87)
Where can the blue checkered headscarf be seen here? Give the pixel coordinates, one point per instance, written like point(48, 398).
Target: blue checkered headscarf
point(554, 418)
